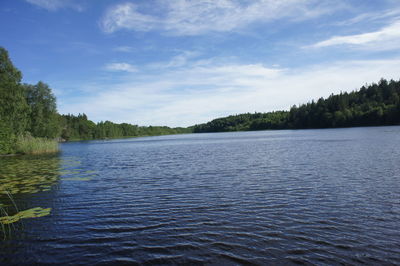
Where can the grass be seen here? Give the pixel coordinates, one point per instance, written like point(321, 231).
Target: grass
point(27, 144)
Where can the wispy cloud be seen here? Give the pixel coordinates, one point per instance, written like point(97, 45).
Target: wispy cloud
point(179, 60)
point(198, 93)
point(124, 49)
point(124, 67)
point(53, 5)
point(392, 13)
point(386, 38)
point(194, 17)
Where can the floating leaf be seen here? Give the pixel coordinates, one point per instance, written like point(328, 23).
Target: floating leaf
point(28, 174)
point(30, 213)
point(33, 174)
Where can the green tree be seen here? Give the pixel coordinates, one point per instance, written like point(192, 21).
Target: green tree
point(13, 107)
point(44, 119)
point(375, 104)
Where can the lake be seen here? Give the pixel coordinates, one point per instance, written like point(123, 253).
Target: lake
point(326, 196)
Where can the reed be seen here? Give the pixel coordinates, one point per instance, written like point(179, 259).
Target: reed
point(3, 228)
point(6, 228)
point(26, 144)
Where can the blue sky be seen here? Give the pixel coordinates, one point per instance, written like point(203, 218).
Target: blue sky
point(183, 62)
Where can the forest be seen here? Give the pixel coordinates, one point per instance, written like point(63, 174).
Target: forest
point(81, 128)
point(28, 114)
point(29, 117)
point(371, 105)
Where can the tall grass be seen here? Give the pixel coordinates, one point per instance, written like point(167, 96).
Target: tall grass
point(26, 144)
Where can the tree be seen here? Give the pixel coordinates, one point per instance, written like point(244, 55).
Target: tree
point(371, 105)
point(44, 119)
point(13, 107)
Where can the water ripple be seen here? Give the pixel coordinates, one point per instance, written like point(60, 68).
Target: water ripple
point(289, 197)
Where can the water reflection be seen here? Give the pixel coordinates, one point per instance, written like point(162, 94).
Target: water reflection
point(261, 198)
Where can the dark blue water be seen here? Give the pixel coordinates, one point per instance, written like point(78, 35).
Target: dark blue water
point(271, 197)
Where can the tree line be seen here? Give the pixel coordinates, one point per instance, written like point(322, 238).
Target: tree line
point(371, 105)
point(81, 128)
point(31, 110)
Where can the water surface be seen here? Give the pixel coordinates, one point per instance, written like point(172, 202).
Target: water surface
point(269, 197)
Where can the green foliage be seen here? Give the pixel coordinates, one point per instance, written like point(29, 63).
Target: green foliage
point(7, 139)
point(374, 105)
point(30, 112)
point(23, 176)
point(26, 144)
point(80, 128)
point(25, 108)
point(248, 121)
point(30, 213)
point(13, 106)
point(44, 119)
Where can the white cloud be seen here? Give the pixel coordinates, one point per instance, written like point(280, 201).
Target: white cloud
point(126, 16)
point(125, 67)
point(385, 38)
point(385, 15)
point(53, 5)
point(180, 60)
point(193, 17)
point(124, 49)
point(199, 93)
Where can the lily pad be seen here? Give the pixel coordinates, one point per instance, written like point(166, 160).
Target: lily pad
point(30, 213)
point(28, 174)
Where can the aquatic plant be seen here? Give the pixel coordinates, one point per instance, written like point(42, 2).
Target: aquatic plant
point(33, 174)
point(3, 213)
point(7, 220)
point(71, 171)
point(28, 175)
point(30, 213)
point(26, 144)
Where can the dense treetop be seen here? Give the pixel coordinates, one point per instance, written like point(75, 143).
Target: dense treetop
point(80, 127)
point(373, 105)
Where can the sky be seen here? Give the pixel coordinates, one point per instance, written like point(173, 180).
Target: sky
point(185, 62)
